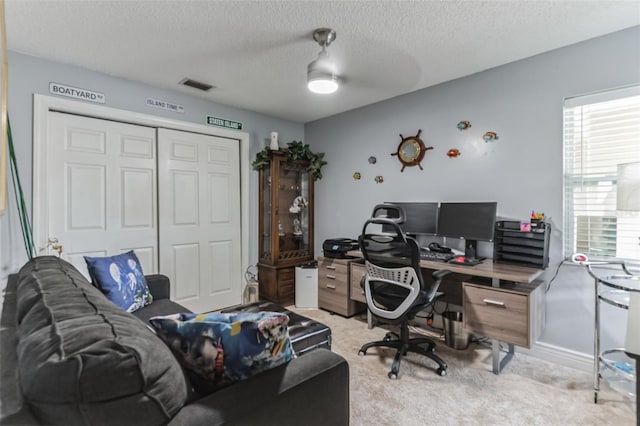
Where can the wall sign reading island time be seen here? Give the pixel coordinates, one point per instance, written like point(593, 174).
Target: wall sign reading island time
point(157, 103)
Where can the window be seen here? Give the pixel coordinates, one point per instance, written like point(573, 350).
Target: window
point(601, 146)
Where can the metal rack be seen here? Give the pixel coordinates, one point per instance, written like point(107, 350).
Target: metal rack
point(613, 365)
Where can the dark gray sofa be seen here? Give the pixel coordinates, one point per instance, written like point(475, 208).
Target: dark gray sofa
point(69, 356)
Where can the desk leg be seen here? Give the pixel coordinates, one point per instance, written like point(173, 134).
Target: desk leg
point(499, 364)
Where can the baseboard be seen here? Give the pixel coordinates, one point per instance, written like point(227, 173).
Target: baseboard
point(561, 356)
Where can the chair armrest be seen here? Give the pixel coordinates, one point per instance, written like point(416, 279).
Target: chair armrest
point(159, 286)
point(311, 390)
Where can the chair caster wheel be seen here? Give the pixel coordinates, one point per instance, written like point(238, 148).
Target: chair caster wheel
point(390, 336)
point(361, 353)
point(441, 372)
point(392, 375)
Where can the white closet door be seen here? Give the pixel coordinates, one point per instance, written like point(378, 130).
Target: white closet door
point(101, 189)
point(199, 205)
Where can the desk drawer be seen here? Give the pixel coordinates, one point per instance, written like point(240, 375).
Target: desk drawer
point(501, 315)
point(336, 284)
point(357, 272)
point(332, 267)
point(333, 287)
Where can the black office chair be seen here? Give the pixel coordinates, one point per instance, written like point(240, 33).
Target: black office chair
point(394, 287)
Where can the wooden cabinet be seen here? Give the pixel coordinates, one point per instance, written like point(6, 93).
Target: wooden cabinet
point(512, 313)
point(277, 284)
point(285, 226)
point(334, 289)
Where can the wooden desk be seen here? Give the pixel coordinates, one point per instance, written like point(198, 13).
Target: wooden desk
point(488, 269)
point(510, 310)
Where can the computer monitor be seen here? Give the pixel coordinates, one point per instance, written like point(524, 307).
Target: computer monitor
point(472, 221)
point(421, 218)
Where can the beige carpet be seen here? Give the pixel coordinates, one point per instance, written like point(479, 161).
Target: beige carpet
point(529, 391)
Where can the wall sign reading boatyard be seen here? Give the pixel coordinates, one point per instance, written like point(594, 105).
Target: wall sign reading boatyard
point(74, 92)
point(221, 122)
point(156, 103)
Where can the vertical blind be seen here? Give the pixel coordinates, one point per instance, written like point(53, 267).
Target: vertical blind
point(601, 131)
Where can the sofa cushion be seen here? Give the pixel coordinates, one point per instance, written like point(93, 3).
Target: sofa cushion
point(82, 360)
point(225, 348)
point(121, 279)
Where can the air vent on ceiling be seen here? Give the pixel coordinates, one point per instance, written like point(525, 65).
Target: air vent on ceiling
point(197, 85)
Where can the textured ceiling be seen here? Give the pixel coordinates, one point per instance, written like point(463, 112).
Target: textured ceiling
point(256, 52)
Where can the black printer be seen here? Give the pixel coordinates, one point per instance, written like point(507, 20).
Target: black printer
point(337, 248)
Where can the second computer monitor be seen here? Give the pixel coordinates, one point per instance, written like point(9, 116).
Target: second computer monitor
point(471, 221)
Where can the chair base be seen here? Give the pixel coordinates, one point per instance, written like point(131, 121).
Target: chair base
point(404, 344)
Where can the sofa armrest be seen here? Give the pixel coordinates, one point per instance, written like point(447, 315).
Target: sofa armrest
point(310, 390)
point(159, 286)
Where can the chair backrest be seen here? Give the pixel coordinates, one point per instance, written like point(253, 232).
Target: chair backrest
point(393, 281)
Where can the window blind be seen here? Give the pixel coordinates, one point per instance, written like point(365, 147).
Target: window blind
point(601, 131)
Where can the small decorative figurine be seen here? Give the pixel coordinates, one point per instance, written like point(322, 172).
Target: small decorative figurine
point(490, 137)
point(372, 160)
point(379, 179)
point(453, 153)
point(463, 125)
point(411, 151)
point(280, 229)
point(357, 176)
point(55, 245)
point(298, 204)
point(297, 228)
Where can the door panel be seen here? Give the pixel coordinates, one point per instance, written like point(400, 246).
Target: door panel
point(184, 192)
point(199, 181)
point(86, 197)
point(186, 261)
point(220, 267)
point(137, 198)
point(101, 189)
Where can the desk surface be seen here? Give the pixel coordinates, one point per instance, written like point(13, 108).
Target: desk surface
point(486, 269)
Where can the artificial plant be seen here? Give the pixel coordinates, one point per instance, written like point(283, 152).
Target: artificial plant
point(295, 150)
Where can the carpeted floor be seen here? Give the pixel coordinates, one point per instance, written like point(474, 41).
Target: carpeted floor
point(529, 391)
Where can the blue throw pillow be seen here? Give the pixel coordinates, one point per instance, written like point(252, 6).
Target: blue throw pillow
point(220, 349)
point(120, 278)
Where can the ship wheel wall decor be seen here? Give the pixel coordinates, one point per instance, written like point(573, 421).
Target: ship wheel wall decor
point(411, 151)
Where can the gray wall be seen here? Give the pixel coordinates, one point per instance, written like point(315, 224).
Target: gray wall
point(29, 75)
point(522, 171)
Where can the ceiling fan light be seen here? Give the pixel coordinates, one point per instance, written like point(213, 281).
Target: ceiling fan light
point(322, 73)
point(321, 77)
point(323, 85)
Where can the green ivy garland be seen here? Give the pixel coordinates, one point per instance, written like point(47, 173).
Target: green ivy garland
point(295, 150)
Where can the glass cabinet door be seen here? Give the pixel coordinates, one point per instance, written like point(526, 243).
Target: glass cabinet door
point(293, 211)
point(267, 216)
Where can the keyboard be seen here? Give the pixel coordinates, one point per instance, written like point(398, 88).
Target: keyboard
point(435, 256)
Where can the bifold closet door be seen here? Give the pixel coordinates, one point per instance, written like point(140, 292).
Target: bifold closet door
point(199, 218)
point(101, 194)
